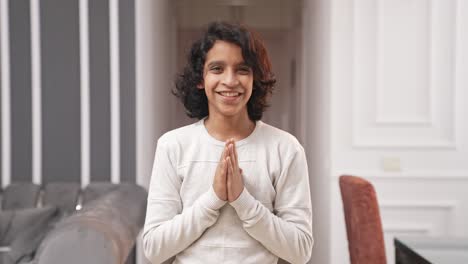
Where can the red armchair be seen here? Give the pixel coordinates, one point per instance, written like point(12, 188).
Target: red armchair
point(363, 224)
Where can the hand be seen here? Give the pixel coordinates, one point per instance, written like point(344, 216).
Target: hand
point(220, 179)
point(235, 183)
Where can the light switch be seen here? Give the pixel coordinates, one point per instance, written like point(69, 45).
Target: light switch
point(391, 164)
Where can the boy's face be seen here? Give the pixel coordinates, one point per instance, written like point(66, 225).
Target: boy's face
point(227, 80)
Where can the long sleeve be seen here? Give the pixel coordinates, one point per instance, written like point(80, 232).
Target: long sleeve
point(287, 232)
point(167, 229)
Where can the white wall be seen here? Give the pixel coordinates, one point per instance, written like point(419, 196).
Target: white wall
point(155, 64)
point(315, 116)
point(155, 38)
point(398, 118)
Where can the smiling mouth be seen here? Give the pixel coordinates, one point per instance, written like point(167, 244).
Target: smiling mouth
point(229, 94)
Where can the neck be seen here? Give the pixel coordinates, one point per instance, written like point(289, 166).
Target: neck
point(225, 127)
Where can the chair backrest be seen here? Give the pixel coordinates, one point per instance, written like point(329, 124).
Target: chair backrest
point(363, 223)
point(64, 195)
point(20, 195)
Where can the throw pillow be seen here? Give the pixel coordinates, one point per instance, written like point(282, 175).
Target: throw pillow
point(24, 229)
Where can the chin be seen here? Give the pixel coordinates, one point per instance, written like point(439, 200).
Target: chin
point(231, 112)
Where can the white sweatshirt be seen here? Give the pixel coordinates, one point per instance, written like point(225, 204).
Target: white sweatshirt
point(271, 218)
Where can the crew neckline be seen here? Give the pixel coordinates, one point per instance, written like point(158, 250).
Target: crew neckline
point(239, 143)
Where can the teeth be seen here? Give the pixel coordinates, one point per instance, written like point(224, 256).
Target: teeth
point(229, 93)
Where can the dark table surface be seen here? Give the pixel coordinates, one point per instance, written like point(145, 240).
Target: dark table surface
point(433, 250)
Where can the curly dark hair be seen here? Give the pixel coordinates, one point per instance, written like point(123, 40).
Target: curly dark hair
point(254, 54)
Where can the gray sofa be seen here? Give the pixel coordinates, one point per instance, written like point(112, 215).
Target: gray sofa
point(103, 231)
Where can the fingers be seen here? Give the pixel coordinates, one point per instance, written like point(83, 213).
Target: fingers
point(235, 183)
point(226, 149)
point(233, 153)
point(223, 167)
point(236, 161)
point(232, 176)
point(230, 166)
point(231, 157)
point(229, 175)
point(220, 180)
point(226, 167)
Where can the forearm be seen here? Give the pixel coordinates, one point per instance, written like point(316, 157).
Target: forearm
point(163, 239)
point(289, 237)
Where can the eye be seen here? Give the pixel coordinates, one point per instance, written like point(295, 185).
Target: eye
point(216, 69)
point(244, 70)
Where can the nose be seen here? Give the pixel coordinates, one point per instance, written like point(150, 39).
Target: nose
point(230, 78)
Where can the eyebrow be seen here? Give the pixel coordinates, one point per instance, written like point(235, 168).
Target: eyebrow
point(223, 63)
point(215, 63)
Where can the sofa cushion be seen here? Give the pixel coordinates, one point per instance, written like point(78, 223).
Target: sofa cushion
point(95, 190)
point(20, 195)
point(64, 195)
point(22, 230)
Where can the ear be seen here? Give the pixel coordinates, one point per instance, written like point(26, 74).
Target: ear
point(200, 86)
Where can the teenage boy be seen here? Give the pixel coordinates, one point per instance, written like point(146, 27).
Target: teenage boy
point(228, 188)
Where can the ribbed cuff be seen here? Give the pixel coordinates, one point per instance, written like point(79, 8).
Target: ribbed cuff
point(211, 201)
point(243, 203)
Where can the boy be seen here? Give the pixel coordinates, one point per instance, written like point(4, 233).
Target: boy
point(228, 188)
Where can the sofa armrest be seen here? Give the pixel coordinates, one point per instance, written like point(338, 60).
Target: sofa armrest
point(104, 231)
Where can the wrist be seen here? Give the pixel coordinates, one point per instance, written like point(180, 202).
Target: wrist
point(235, 195)
point(220, 194)
point(211, 200)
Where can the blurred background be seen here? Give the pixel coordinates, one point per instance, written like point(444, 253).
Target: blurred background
point(376, 89)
